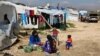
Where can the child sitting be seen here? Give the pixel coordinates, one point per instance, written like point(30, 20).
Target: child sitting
point(69, 42)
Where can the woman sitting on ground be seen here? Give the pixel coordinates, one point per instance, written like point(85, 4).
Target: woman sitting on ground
point(50, 46)
point(34, 38)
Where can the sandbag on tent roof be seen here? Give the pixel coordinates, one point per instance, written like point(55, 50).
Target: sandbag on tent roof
point(8, 30)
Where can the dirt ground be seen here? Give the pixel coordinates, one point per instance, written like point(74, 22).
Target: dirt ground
point(86, 41)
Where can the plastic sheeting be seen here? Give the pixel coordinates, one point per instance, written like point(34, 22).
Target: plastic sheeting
point(7, 37)
point(52, 11)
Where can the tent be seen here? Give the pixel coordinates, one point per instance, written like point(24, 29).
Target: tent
point(82, 12)
point(82, 15)
point(8, 31)
point(51, 11)
point(49, 15)
point(72, 15)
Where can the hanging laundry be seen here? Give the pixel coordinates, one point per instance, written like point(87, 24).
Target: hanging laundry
point(61, 17)
point(27, 15)
point(27, 12)
point(55, 20)
point(51, 19)
point(41, 19)
point(31, 13)
point(32, 16)
point(23, 17)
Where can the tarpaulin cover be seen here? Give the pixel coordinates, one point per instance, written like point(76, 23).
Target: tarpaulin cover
point(7, 37)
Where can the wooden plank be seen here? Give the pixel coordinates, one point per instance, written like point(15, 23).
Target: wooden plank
point(47, 22)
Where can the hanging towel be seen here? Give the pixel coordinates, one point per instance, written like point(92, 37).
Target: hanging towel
point(23, 17)
point(27, 12)
point(31, 13)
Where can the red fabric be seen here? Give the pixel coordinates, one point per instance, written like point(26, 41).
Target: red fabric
point(55, 32)
point(31, 12)
point(69, 40)
point(41, 19)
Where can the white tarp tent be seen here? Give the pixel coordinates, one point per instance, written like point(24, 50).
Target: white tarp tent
point(52, 12)
point(83, 12)
point(7, 31)
point(72, 15)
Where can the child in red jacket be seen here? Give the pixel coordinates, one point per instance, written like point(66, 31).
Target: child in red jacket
point(55, 33)
point(69, 42)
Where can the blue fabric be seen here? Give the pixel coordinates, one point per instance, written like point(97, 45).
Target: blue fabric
point(47, 47)
point(55, 20)
point(65, 14)
point(68, 44)
point(34, 40)
point(23, 17)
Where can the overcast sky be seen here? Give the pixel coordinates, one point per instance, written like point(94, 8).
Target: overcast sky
point(82, 4)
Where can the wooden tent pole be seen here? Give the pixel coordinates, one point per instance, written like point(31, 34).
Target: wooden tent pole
point(47, 22)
